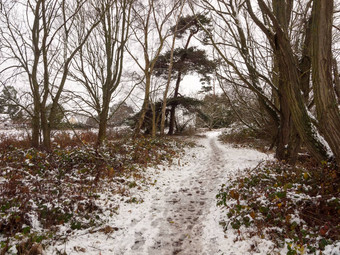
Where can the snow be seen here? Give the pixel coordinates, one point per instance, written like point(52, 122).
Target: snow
point(319, 137)
point(18, 132)
point(176, 212)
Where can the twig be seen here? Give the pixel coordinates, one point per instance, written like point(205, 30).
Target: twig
point(256, 166)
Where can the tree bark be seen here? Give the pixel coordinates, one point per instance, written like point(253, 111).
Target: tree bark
point(102, 125)
point(292, 87)
point(173, 108)
point(336, 80)
point(34, 80)
point(154, 120)
point(35, 129)
point(328, 114)
point(146, 103)
point(46, 129)
point(288, 141)
point(306, 63)
point(295, 100)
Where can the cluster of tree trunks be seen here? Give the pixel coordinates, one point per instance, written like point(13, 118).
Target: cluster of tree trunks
point(65, 39)
point(296, 124)
point(295, 98)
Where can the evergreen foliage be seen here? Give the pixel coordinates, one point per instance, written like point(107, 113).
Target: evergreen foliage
point(187, 61)
point(188, 104)
point(8, 103)
point(217, 112)
point(193, 24)
point(56, 123)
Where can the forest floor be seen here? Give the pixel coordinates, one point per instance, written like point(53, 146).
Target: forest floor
point(157, 197)
point(178, 214)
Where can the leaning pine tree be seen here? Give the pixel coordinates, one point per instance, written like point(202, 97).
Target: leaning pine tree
point(186, 60)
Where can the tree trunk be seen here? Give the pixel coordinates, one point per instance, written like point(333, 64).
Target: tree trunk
point(336, 80)
point(172, 120)
point(292, 85)
point(305, 64)
point(294, 145)
point(145, 106)
point(173, 108)
point(328, 114)
point(296, 103)
point(295, 100)
point(101, 132)
point(284, 116)
point(154, 121)
point(102, 125)
point(288, 141)
point(35, 129)
point(34, 81)
point(281, 152)
point(36, 121)
point(46, 129)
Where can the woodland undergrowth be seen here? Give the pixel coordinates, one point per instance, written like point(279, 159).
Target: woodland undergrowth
point(297, 207)
point(245, 137)
point(42, 192)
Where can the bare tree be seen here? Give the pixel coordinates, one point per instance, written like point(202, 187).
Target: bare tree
point(150, 32)
point(171, 62)
point(244, 56)
point(99, 64)
point(38, 40)
point(283, 50)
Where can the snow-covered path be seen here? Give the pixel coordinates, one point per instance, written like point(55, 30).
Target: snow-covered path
point(180, 221)
point(178, 214)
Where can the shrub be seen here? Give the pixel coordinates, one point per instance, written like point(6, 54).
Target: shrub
point(14, 141)
point(295, 206)
point(60, 187)
point(246, 137)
